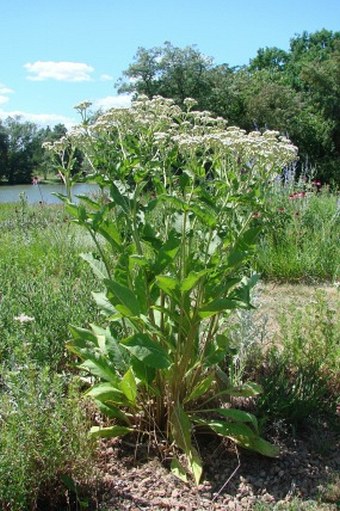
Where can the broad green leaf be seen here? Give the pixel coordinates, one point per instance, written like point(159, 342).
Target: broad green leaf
point(104, 304)
point(110, 232)
point(200, 389)
point(111, 411)
point(181, 428)
point(125, 297)
point(99, 366)
point(109, 432)
point(191, 280)
point(217, 306)
point(129, 386)
point(241, 434)
point(98, 267)
point(144, 373)
point(107, 393)
point(119, 198)
point(195, 465)
point(206, 214)
point(167, 284)
point(237, 415)
point(178, 470)
point(242, 293)
point(260, 445)
point(147, 350)
point(167, 252)
point(243, 245)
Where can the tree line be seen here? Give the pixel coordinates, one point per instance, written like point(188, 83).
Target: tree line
point(21, 153)
point(296, 92)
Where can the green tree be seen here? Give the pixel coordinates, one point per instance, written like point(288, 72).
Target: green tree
point(24, 151)
point(170, 72)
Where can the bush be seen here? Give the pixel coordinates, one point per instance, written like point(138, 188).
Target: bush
point(300, 374)
point(43, 437)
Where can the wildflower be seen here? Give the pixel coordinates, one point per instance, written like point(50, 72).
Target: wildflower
point(23, 318)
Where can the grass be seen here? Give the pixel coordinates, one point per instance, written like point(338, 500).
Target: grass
point(301, 241)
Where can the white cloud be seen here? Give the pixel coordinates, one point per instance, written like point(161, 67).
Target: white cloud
point(61, 71)
point(40, 119)
point(123, 101)
point(5, 90)
point(105, 78)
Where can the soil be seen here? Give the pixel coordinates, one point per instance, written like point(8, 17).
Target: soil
point(233, 479)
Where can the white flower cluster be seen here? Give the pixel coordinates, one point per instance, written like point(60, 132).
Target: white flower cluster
point(158, 126)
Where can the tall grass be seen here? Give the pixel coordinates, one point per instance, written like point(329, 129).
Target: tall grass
point(43, 288)
point(301, 242)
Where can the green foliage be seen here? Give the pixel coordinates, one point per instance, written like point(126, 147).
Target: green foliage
point(43, 437)
point(43, 278)
point(179, 224)
point(301, 239)
point(300, 378)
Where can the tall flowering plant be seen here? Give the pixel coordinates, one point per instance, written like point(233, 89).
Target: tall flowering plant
point(183, 188)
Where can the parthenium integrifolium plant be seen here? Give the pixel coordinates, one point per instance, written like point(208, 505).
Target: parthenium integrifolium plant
point(183, 189)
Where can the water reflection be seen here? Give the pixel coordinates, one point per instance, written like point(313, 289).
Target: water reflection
point(43, 193)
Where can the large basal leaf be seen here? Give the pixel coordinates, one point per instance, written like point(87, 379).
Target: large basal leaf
point(129, 386)
point(111, 411)
point(181, 431)
point(200, 389)
point(240, 434)
point(107, 393)
point(237, 416)
point(110, 432)
point(178, 470)
point(148, 351)
point(181, 428)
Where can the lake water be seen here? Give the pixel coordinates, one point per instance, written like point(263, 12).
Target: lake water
point(43, 193)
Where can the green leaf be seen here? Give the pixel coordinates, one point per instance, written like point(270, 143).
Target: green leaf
point(98, 267)
point(119, 198)
point(191, 280)
point(107, 393)
point(110, 232)
point(147, 350)
point(249, 389)
point(178, 470)
point(143, 372)
point(167, 252)
point(104, 304)
point(122, 295)
point(181, 428)
point(217, 306)
point(111, 411)
point(129, 386)
point(167, 284)
point(109, 432)
point(200, 389)
point(195, 465)
point(237, 415)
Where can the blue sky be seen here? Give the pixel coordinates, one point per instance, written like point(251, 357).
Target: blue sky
point(57, 53)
